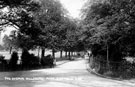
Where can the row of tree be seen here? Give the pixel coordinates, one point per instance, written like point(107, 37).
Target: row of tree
point(39, 24)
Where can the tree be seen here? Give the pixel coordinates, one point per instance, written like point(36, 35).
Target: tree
point(69, 38)
point(11, 10)
point(40, 24)
point(10, 42)
point(6, 41)
point(19, 14)
point(108, 27)
point(49, 21)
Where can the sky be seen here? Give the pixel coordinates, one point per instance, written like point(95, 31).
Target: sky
point(73, 6)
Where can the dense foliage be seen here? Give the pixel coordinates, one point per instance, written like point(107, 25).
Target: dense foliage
point(109, 26)
point(39, 24)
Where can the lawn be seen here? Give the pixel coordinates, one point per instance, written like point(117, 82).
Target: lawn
point(35, 52)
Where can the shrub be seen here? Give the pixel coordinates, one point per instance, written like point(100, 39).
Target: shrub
point(3, 63)
point(34, 60)
point(127, 70)
point(47, 60)
point(25, 58)
point(13, 60)
point(2, 59)
point(29, 60)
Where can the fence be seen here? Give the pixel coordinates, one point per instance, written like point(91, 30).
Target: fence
point(123, 69)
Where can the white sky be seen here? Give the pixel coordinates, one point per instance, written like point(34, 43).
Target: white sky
point(73, 6)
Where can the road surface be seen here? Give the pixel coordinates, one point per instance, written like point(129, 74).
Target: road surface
point(68, 74)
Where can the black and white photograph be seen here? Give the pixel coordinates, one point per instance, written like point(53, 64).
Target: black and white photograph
point(67, 43)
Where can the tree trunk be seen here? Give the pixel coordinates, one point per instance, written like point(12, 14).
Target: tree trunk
point(66, 54)
point(53, 53)
point(10, 50)
point(43, 53)
point(61, 54)
point(69, 55)
point(38, 51)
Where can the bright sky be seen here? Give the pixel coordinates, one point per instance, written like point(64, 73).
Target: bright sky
point(73, 6)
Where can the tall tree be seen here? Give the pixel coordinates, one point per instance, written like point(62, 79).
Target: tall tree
point(19, 14)
point(49, 21)
point(108, 25)
point(10, 42)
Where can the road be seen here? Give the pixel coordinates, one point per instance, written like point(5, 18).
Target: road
point(69, 74)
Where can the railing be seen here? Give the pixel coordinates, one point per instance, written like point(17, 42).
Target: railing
point(121, 69)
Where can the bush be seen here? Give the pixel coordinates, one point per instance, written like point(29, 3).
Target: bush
point(3, 63)
point(2, 59)
point(29, 60)
point(127, 70)
point(47, 60)
point(13, 60)
point(25, 58)
point(34, 60)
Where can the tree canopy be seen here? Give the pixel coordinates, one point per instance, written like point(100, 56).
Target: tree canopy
point(42, 23)
point(110, 23)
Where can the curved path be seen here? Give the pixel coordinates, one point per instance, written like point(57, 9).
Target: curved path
point(69, 74)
